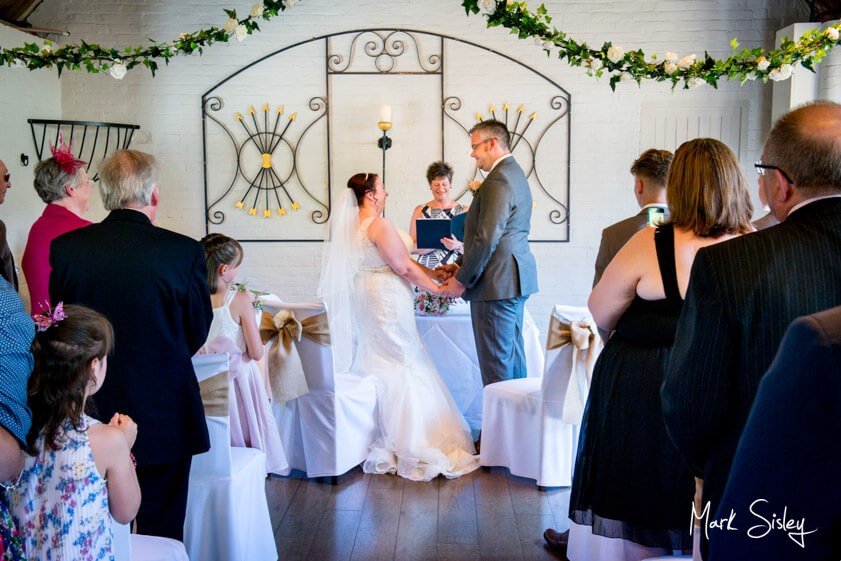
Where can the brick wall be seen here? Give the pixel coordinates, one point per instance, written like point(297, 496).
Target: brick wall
point(605, 128)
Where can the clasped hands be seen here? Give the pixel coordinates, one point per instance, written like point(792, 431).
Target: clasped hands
point(449, 284)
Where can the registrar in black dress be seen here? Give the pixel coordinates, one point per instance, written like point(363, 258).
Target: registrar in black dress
point(630, 482)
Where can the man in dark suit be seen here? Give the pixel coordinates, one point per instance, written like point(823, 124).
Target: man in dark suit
point(649, 171)
point(743, 294)
point(151, 284)
point(497, 272)
point(788, 457)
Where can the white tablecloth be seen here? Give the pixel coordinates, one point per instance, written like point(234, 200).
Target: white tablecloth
point(449, 340)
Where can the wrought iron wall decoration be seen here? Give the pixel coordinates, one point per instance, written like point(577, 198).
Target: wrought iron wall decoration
point(262, 185)
point(257, 187)
point(90, 141)
point(518, 127)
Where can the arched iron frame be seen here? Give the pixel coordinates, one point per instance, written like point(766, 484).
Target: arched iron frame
point(209, 103)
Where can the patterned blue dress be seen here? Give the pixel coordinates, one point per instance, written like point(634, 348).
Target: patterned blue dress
point(60, 505)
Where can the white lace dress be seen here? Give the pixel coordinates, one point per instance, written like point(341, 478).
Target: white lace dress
point(422, 434)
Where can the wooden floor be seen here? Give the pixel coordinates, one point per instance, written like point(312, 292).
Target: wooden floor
point(486, 515)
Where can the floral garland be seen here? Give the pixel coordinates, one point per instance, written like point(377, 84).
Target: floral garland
point(94, 58)
point(691, 71)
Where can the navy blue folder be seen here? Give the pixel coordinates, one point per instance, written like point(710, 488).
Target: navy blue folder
point(431, 230)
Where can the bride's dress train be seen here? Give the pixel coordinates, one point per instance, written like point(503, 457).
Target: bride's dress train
point(421, 432)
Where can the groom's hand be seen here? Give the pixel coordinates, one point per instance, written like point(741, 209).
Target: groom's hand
point(443, 272)
point(452, 288)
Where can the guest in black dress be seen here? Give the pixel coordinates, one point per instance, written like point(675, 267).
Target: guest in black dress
point(632, 492)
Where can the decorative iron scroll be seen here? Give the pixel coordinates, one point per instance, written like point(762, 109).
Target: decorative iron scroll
point(90, 141)
point(518, 126)
point(267, 137)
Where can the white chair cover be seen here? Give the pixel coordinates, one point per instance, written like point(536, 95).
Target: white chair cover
point(525, 423)
point(135, 547)
point(328, 431)
point(227, 511)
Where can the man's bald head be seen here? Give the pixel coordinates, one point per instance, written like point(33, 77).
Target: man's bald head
point(806, 144)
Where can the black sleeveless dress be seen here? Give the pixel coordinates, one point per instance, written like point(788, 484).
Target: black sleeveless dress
point(630, 482)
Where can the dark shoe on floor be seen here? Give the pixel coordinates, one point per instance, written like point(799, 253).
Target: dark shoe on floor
point(557, 540)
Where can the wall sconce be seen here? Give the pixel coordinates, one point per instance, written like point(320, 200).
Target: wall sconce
point(384, 125)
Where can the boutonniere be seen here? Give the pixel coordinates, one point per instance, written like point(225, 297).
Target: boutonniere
point(474, 185)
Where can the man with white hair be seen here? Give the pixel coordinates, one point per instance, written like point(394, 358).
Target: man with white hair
point(151, 284)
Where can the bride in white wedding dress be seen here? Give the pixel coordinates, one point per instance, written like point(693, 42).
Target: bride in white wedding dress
point(365, 282)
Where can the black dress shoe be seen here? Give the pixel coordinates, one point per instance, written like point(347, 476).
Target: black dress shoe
point(557, 540)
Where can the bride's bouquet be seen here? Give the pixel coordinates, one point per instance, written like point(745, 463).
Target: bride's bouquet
point(432, 304)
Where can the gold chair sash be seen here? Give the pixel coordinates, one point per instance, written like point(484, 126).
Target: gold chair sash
point(214, 395)
point(286, 374)
point(584, 337)
point(582, 334)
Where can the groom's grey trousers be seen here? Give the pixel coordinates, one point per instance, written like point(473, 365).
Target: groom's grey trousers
point(498, 332)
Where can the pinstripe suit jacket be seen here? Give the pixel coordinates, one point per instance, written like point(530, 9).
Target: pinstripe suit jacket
point(742, 296)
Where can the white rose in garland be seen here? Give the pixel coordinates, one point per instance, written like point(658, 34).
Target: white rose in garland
point(686, 62)
point(833, 33)
point(670, 67)
point(487, 6)
point(594, 64)
point(670, 57)
point(781, 73)
point(289, 3)
point(257, 10)
point(240, 33)
point(118, 70)
point(230, 25)
point(47, 48)
point(762, 64)
point(694, 82)
point(615, 54)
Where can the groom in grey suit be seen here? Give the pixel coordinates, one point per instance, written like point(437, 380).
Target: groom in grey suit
point(497, 272)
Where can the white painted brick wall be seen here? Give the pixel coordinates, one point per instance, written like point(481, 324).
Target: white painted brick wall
point(23, 95)
point(605, 128)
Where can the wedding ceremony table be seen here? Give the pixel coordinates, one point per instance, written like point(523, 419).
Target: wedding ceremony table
point(449, 339)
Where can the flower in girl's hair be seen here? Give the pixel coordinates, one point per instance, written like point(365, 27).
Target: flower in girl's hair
point(49, 318)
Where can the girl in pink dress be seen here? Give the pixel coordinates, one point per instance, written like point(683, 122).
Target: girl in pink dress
point(234, 330)
point(80, 473)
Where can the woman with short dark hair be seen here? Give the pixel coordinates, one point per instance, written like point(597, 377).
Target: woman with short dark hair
point(439, 175)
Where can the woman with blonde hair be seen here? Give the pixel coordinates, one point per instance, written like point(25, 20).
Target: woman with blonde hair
point(632, 492)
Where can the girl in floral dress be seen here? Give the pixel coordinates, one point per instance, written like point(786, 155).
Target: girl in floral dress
point(80, 472)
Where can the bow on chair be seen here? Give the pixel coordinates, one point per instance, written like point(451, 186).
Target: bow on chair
point(584, 337)
point(286, 374)
point(214, 395)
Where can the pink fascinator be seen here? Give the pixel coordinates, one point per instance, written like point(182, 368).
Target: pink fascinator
point(65, 158)
point(49, 318)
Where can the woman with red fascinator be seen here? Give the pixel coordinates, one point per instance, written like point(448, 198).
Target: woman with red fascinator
point(62, 182)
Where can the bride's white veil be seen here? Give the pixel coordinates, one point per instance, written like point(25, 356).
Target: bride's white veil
point(339, 264)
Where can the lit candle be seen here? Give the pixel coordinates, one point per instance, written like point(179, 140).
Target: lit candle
point(385, 114)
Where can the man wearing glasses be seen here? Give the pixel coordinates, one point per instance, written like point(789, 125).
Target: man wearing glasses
point(743, 294)
point(7, 264)
point(497, 272)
